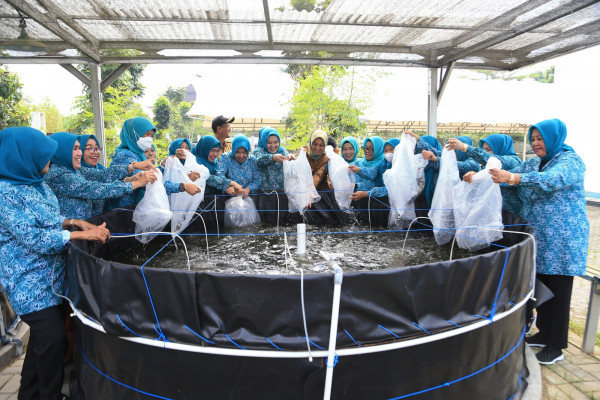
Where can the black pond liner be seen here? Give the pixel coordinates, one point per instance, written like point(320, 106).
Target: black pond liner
point(467, 316)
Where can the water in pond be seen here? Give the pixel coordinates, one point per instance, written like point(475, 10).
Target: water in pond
point(263, 251)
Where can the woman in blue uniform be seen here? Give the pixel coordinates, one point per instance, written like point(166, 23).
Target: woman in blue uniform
point(33, 238)
point(547, 191)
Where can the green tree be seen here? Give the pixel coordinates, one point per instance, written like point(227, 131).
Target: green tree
point(14, 110)
point(331, 98)
point(175, 95)
point(54, 119)
point(162, 112)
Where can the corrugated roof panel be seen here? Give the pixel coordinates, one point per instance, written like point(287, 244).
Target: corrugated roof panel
point(522, 40)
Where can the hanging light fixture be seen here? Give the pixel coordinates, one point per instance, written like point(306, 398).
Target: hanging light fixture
point(24, 43)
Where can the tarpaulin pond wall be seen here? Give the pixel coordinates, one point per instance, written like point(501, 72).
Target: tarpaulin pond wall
point(445, 330)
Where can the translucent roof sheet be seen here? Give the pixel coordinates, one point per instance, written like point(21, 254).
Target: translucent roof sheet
point(490, 34)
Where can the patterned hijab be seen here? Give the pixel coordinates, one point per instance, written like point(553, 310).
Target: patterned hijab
point(24, 152)
point(501, 144)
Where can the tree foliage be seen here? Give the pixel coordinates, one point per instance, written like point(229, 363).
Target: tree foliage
point(162, 112)
point(54, 119)
point(14, 111)
point(330, 98)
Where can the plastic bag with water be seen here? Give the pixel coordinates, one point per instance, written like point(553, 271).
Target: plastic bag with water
point(241, 211)
point(404, 182)
point(441, 213)
point(478, 209)
point(153, 212)
point(298, 183)
point(184, 205)
point(342, 180)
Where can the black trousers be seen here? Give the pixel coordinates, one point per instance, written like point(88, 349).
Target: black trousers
point(553, 315)
point(43, 369)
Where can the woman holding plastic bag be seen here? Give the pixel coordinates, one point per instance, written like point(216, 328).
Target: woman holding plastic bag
point(33, 243)
point(206, 152)
point(464, 163)
point(548, 192)
point(75, 193)
point(326, 210)
point(270, 155)
point(370, 198)
point(240, 166)
point(431, 172)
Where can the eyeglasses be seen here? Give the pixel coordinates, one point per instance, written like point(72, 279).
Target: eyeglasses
point(93, 149)
point(367, 148)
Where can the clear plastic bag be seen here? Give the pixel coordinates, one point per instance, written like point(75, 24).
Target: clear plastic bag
point(342, 180)
point(298, 183)
point(442, 209)
point(478, 210)
point(402, 182)
point(184, 205)
point(241, 211)
point(153, 212)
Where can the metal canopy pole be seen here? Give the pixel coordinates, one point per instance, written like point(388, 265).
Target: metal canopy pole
point(432, 98)
point(97, 108)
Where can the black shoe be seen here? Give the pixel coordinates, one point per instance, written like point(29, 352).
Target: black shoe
point(530, 323)
point(549, 355)
point(535, 341)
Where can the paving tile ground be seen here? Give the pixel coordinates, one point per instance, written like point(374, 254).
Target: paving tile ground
point(575, 378)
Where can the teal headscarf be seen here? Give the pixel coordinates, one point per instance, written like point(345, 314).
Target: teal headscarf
point(392, 142)
point(83, 139)
point(354, 143)
point(432, 141)
point(132, 130)
point(64, 153)
point(240, 141)
point(176, 143)
point(430, 173)
point(24, 152)
point(461, 155)
point(263, 137)
point(201, 150)
point(377, 150)
point(554, 133)
point(501, 144)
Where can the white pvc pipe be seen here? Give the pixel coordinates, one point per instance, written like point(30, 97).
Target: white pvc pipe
point(301, 239)
point(335, 310)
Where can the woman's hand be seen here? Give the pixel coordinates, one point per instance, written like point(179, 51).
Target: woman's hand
point(361, 194)
point(142, 166)
point(192, 188)
point(412, 134)
point(238, 189)
point(455, 144)
point(503, 176)
point(194, 175)
point(354, 168)
point(291, 157)
point(278, 158)
point(468, 177)
point(94, 233)
point(179, 153)
point(245, 192)
point(428, 155)
point(145, 178)
point(230, 191)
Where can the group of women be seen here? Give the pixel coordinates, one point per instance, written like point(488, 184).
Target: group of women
point(52, 185)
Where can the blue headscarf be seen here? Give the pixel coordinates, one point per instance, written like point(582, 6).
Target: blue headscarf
point(461, 155)
point(354, 143)
point(201, 150)
point(429, 172)
point(83, 139)
point(263, 137)
point(377, 150)
point(64, 153)
point(240, 141)
point(501, 144)
point(554, 133)
point(392, 142)
point(24, 152)
point(175, 145)
point(132, 130)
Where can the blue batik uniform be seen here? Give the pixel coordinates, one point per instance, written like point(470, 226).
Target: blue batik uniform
point(552, 200)
point(215, 183)
point(271, 172)
point(370, 177)
point(74, 192)
point(246, 173)
point(502, 147)
point(31, 236)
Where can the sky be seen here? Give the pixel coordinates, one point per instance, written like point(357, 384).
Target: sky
point(264, 90)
